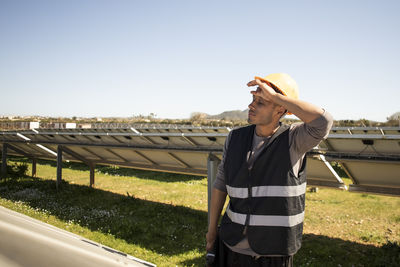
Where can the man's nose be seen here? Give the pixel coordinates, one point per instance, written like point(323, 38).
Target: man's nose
point(251, 105)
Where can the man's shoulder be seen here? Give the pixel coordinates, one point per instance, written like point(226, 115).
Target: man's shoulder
point(243, 128)
point(240, 133)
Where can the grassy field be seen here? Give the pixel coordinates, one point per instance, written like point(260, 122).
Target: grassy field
point(162, 218)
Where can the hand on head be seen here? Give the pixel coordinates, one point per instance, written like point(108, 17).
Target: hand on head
point(264, 90)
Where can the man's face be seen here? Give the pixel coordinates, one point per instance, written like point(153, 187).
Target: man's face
point(261, 111)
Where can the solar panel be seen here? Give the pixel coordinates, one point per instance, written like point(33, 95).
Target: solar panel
point(381, 177)
point(321, 173)
point(364, 145)
point(186, 149)
point(30, 150)
point(132, 138)
point(366, 130)
point(370, 156)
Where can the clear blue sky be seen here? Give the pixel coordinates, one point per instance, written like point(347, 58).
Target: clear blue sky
point(120, 58)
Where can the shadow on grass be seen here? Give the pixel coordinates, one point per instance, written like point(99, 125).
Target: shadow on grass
point(162, 228)
point(318, 250)
point(324, 251)
point(115, 170)
point(168, 229)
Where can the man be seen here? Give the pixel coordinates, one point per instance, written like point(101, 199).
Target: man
point(263, 172)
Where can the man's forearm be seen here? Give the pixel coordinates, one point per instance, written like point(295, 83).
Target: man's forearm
point(217, 203)
point(305, 111)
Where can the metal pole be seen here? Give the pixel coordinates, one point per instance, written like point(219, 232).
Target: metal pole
point(4, 161)
point(212, 167)
point(33, 167)
point(92, 166)
point(59, 166)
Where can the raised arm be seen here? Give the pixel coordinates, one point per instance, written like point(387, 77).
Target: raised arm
point(305, 111)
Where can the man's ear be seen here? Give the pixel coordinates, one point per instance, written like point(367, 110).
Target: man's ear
point(280, 111)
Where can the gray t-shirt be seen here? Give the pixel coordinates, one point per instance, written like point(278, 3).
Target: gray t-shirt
point(302, 138)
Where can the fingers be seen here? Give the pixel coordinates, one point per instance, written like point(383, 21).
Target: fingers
point(252, 83)
point(257, 82)
point(256, 93)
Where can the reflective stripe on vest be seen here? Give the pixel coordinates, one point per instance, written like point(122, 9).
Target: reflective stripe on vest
point(266, 220)
point(267, 191)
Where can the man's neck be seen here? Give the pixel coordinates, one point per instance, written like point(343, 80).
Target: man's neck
point(266, 130)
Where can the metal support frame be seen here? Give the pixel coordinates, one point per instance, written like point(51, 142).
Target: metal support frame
point(143, 137)
point(145, 157)
point(34, 167)
point(149, 140)
point(4, 161)
point(116, 139)
point(49, 150)
point(189, 140)
point(180, 161)
point(136, 147)
point(116, 154)
point(89, 163)
point(349, 174)
point(390, 191)
point(30, 154)
point(158, 168)
point(212, 167)
point(92, 166)
point(330, 168)
point(59, 166)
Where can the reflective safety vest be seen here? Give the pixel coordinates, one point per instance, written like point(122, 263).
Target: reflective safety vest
point(268, 200)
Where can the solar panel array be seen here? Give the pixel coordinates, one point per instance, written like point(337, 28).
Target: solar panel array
point(370, 156)
point(164, 149)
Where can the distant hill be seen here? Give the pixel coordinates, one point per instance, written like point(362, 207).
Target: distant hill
point(230, 115)
point(235, 116)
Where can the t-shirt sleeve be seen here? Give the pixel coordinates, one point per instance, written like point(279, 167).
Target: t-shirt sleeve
point(220, 179)
point(305, 136)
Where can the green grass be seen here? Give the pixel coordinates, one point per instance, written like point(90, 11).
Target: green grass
point(162, 218)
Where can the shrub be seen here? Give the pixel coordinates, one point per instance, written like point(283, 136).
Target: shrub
point(17, 169)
